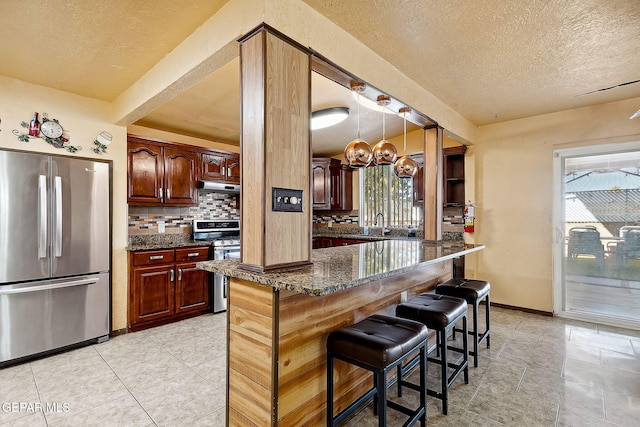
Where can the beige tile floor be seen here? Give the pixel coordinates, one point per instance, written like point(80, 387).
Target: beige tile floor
point(540, 371)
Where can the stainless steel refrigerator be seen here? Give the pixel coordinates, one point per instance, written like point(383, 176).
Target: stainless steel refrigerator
point(55, 245)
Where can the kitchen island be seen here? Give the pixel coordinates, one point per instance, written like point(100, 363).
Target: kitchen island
point(278, 323)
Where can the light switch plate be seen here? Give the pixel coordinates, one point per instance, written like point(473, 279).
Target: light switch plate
point(286, 200)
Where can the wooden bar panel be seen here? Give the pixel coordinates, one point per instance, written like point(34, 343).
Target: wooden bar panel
point(251, 386)
point(253, 325)
point(252, 296)
point(252, 358)
point(254, 400)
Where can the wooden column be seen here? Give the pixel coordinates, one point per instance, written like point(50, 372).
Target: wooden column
point(275, 150)
point(433, 184)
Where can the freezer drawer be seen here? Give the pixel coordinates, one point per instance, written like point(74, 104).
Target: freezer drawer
point(46, 315)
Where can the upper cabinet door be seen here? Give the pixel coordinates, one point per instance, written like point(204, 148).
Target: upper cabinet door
point(221, 167)
point(321, 184)
point(212, 167)
point(233, 168)
point(145, 173)
point(180, 177)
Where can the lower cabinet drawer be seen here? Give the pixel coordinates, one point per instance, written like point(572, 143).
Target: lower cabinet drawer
point(153, 257)
point(192, 254)
point(165, 286)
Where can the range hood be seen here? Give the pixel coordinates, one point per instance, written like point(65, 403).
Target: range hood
point(219, 187)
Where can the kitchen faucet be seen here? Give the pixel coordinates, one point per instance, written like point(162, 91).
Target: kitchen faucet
point(376, 221)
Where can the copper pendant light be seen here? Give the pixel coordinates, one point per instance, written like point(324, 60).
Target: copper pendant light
point(384, 152)
point(358, 153)
point(405, 166)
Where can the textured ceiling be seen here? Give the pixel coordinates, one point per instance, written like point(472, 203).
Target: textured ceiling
point(496, 60)
point(93, 48)
point(490, 60)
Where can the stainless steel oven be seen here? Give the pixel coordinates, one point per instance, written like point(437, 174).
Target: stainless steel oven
point(225, 238)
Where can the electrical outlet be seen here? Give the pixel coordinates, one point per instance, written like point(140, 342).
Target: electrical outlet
point(161, 227)
point(403, 296)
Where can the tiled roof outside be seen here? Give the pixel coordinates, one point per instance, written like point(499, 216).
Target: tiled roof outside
point(603, 206)
point(625, 179)
point(603, 197)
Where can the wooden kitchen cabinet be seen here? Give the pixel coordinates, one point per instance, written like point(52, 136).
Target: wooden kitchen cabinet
point(321, 183)
point(165, 286)
point(321, 242)
point(160, 173)
point(192, 284)
point(328, 242)
point(341, 187)
point(453, 177)
point(453, 166)
point(145, 174)
point(332, 185)
point(418, 184)
point(220, 166)
point(180, 177)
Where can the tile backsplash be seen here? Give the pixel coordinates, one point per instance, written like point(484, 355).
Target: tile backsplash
point(212, 205)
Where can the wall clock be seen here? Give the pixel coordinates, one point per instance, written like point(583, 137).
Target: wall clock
point(50, 130)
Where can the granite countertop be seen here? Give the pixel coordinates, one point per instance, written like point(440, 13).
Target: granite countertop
point(343, 267)
point(158, 242)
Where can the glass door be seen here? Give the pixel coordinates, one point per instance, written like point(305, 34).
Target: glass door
point(597, 227)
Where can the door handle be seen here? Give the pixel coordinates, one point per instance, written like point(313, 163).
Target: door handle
point(224, 286)
point(172, 276)
point(193, 254)
point(49, 286)
point(58, 199)
point(168, 193)
point(42, 216)
point(160, 193)
point(179, 274)
point(156, 257)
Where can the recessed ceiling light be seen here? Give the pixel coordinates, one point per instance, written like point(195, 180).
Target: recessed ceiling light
point(328, 117)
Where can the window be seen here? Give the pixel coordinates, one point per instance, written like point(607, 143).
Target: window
point(382, 192)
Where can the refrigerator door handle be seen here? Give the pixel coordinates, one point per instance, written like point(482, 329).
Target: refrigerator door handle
point(48, 286)
point(42, 216)
point(58, 199)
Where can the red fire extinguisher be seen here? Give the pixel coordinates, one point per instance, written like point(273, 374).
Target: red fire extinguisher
point(469, 215)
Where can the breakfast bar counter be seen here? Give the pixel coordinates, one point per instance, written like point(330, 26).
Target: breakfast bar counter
point(278, 323)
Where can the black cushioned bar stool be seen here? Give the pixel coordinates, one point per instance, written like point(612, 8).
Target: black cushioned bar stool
point(440, 313)
point(472, 291)
point(378, 344)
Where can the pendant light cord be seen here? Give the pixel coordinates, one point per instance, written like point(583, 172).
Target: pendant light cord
point(358, 102)
point(383, 128)
point(404, 115)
